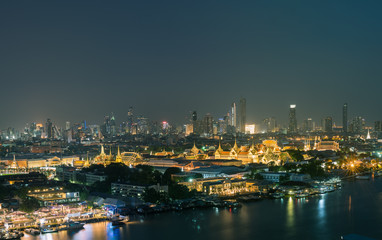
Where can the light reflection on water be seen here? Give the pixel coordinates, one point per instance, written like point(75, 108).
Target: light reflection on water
point(325, 216)
point(290, 212)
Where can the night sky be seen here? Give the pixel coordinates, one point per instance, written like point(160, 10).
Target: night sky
point(75, 60)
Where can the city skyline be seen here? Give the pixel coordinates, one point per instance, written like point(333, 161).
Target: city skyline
point(267, 124)
point(76, 61)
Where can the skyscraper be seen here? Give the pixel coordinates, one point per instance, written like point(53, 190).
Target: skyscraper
point(208, 124)
point(328, 124)
point(345, 118)
point(194, 116)
point(292, 119)
point(243, 114)
point(233, 115)
point(49, 128)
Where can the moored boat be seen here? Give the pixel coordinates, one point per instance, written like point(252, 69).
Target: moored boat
point(362, 177)
point(72, 226)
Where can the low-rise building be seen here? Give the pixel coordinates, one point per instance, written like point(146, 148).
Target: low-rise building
point(273, 176)
point(134, 190)
point(299, 177)
point(53, 195)
point(225, 187)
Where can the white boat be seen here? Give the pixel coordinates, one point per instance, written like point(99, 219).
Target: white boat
point(32, 231)
point(363, 177)
point(277, 195)
point(48, 229)
point(124, 218)
point(301, 195)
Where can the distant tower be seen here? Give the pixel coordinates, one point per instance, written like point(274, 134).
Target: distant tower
point(368, 135)
point(345, 118)
point(243, 114)
point(118, 158)
point(292, 119)
point(233, 115)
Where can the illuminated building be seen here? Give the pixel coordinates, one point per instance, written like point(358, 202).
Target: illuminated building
point(233, 115)
point(130, 158)
point(266, 153)
point(101, 158)
point(326, 145)
point(250, 128)
point(292, 119)
point(245, 155)
point(194, 154)
point(189, 129)
point(52, 195)
point(118, 158)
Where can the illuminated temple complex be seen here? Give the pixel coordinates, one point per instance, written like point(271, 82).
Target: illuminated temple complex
point(266, 152)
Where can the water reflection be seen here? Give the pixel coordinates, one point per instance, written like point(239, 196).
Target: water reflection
point(290, 212)
point(325, 216)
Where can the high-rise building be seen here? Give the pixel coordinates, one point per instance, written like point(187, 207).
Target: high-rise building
point(233, 115)
point(242, 114)
point(194, 116)
point(328, 124)
point(208, 124)
point(113, 127)
point(308, 125)
point(130, 118)
point(292, 119)
point(269, 124)
point(67, 125)
point(49, 128)
point(345, 118)
point(378, 126)
point(357, 125)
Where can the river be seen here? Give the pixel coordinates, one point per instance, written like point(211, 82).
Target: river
point(356, 208)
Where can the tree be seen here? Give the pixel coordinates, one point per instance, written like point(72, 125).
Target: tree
point(151, 195)
point(177, 191)
point(167, 174)
point(313, 168)
point(258, 176)
point(296, 155)
point(29, 205)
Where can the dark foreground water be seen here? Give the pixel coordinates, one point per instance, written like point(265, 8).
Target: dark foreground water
point(357, 208)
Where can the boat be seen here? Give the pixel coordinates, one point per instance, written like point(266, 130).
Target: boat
point(48, 229)
point(124, 218)
point(32, 231)
point(301, 195)
point(362, 177)
point(72, 226)
point(118, 220)
point(10, 236)
point(277, 195)
point(117, 223)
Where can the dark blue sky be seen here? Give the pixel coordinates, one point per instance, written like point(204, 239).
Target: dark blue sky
point(74, 60)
